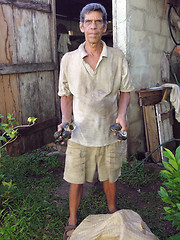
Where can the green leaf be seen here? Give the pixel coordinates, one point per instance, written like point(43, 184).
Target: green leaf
point(178, 205)
point(168, 209)
point(167, 200)
point(11, 133)
point(169, 154)
point(171, 185)
point(15, 123)
point(176, 180)
point(4, 125)
point(173, 163)
point(31, 120)
point(177, 214)
point(9, 116)
point(177, 154)
point(163, 193)
point(8, 184)
point(168, 166)
point(166, 173)
point(175, 237)
point(3, 139)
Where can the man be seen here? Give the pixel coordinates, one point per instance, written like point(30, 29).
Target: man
point(90, 80)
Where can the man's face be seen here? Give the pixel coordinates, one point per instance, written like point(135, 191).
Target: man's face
point(93, 27)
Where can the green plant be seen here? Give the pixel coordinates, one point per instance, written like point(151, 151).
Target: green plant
point(139, 176)
point(9, 129)
point(8, 134)
point(171, 195)
point(31, 212)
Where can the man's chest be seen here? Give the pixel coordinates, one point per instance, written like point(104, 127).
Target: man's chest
point(101, 81)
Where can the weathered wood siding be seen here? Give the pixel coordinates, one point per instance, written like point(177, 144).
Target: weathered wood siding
point(28, 69)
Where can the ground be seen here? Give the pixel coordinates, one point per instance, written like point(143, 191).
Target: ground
point(143, 199)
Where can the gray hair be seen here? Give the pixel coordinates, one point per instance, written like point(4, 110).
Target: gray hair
point(93, 7)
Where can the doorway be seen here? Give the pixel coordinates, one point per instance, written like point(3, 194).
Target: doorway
point(69, 37)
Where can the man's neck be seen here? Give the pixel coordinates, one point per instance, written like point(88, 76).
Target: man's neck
point(93, 49)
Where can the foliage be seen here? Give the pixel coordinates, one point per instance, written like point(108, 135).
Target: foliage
point(8, 134)
point(31, 213)
point(171, 194)
point(139, 176)
point(36, 210)
point(9, 130)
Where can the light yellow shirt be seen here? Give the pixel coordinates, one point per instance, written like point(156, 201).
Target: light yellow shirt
point(95, 93)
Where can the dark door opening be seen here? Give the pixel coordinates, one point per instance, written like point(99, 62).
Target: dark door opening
point(69, 36)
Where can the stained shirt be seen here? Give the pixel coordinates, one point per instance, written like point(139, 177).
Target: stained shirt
point(95, 93)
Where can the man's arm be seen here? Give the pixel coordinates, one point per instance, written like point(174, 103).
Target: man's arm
point(124, 100)
point(66, 109)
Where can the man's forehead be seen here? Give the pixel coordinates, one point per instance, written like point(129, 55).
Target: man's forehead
point(93, 15)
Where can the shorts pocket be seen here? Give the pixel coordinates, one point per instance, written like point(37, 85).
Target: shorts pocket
point(75, 164)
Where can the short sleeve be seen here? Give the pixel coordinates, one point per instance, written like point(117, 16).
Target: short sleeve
point(63, 82)
point(126, 84)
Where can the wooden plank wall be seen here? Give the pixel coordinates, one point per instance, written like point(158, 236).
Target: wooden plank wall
point(164, 123)
point(158, 120)
point(28, 42)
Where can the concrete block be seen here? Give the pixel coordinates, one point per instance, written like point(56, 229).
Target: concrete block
point(152, 10)
point(141, 4)
point(136, 19)
point(134, 111)
point(140, 57)
point(159, 43)
point(136, 134)
point(165, 29)
point(169, 45)
point(155, 59)
point(155, 75)
point(160, 8)
point(137, 37)
point(152, 24)
point(140, 76)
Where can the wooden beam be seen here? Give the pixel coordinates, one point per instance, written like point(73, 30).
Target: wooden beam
point(26, 68)
point(29, 5)
point(24, 131)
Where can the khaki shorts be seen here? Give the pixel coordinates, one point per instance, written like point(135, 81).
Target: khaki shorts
point(81, 162)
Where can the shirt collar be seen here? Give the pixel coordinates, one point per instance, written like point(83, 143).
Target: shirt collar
point(84, 53)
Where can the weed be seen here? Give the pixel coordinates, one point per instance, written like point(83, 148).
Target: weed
point(138, 177)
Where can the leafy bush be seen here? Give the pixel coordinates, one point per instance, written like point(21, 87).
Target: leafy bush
point(9, 129)
point(8, 134)
point(171, 195)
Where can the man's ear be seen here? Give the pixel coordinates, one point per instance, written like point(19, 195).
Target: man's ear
point(105, 28)
point(81, 27)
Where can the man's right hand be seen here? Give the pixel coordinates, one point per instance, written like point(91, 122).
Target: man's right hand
point(59, 127)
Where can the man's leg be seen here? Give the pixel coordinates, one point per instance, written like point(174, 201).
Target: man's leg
point(75, 193)
point(110, 191)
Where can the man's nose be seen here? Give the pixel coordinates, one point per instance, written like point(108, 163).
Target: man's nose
point(93, 24)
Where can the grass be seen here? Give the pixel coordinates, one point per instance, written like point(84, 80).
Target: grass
point(33, 213)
